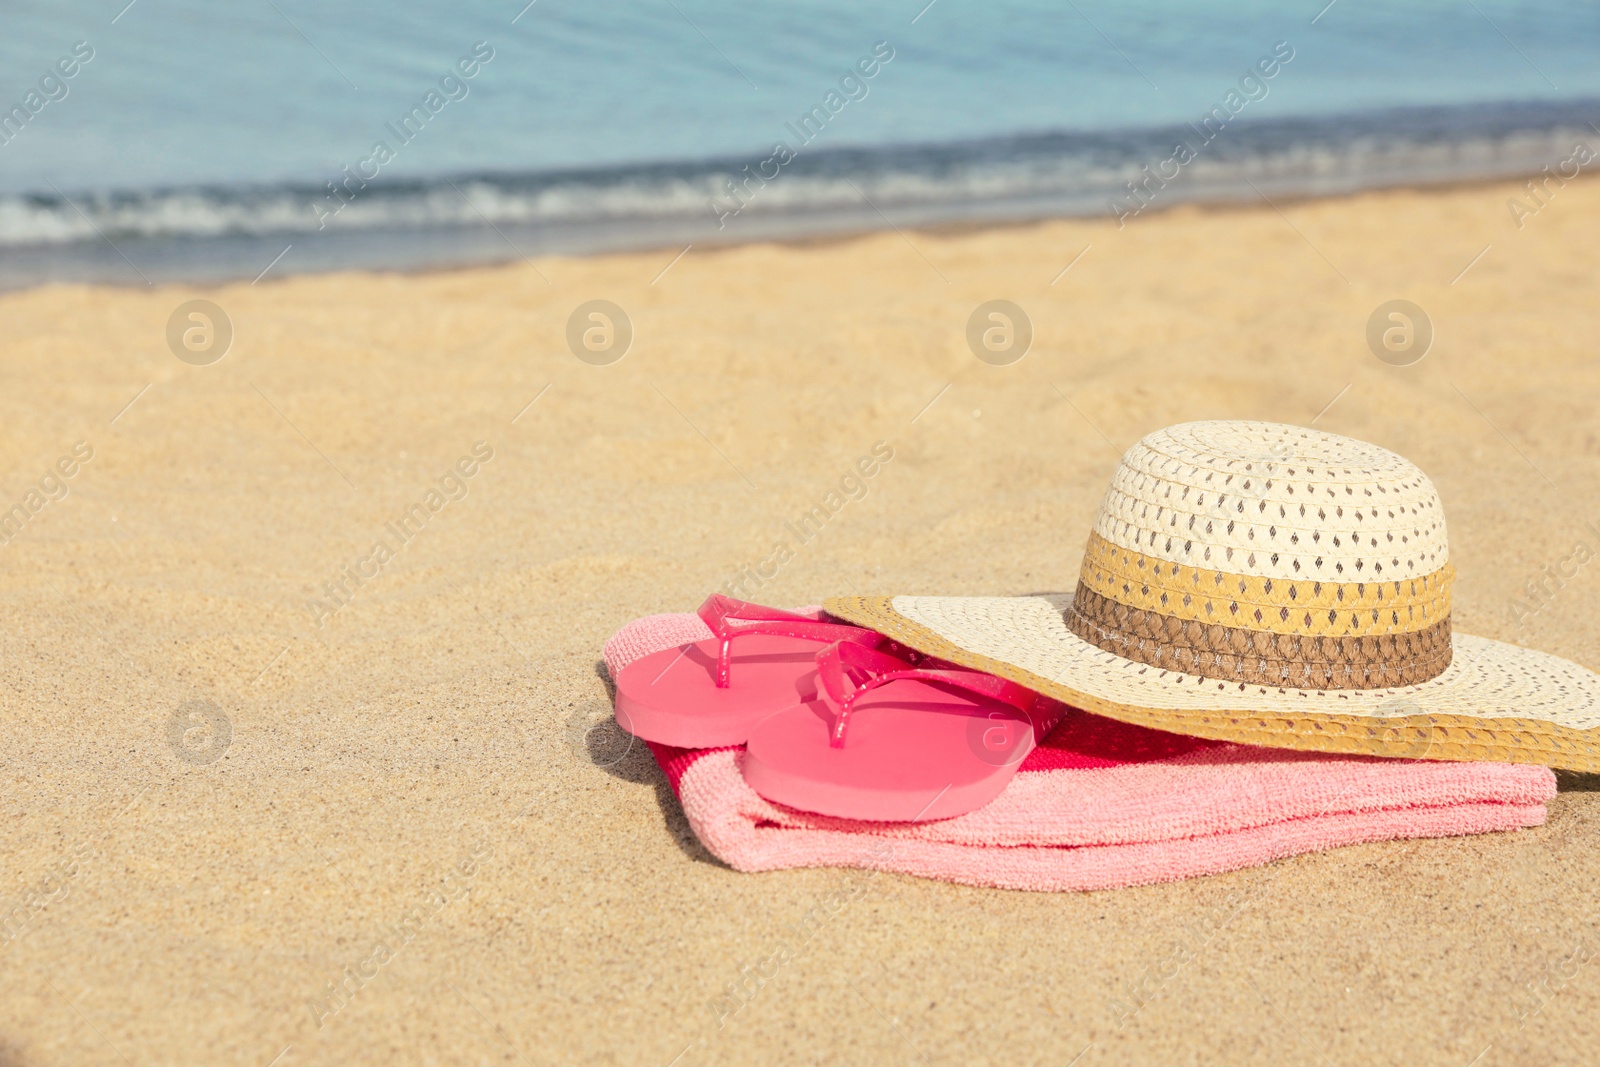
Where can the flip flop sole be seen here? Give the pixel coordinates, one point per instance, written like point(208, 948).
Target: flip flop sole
point(671, 697)
point(915, 752)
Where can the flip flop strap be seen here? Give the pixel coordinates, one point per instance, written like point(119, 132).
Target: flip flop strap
point(838, 662)
point(718, 609)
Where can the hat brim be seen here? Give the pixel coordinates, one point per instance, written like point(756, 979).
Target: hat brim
point(1495, 701)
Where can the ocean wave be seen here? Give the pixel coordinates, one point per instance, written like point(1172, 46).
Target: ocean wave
point(1065, 173)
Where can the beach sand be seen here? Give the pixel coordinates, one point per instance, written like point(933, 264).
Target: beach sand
point(449, 720)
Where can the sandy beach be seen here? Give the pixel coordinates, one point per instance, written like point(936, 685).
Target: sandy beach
point(410, 745)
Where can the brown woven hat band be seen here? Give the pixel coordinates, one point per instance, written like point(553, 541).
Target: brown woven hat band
point(1260, 657)
point(1305, 606)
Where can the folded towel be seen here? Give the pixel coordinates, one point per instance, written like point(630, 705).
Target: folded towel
point(1101, 804)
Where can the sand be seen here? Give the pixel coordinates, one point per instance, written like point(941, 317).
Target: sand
point(444, 731)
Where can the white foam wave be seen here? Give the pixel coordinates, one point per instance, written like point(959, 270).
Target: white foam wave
point(1080, 170)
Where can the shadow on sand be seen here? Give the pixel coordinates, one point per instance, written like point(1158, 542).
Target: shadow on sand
point(624, 756)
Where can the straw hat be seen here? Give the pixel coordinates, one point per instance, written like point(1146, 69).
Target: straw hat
point(1273, 585)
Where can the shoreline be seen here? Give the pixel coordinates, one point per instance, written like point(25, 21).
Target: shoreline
point(217, 235)
point(443, 250)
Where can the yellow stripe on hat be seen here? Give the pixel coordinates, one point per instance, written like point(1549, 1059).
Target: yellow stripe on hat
point(1272, 605)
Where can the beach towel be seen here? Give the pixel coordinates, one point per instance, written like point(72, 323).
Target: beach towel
point(1102, 804)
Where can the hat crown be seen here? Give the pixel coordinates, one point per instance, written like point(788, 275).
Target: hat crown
point(1269, 554)
point(1275, 501)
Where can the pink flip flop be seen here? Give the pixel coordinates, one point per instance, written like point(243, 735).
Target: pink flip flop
point(892, 743)
point(709, 694)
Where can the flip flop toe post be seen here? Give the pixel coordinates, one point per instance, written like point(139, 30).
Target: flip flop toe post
point(885, 742)
point(711, 693)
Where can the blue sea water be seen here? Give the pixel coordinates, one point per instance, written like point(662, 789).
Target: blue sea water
point(200, 140)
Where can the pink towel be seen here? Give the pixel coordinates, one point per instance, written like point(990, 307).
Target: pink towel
point(1101, 804)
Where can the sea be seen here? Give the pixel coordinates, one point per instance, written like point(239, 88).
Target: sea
point(164, 140)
